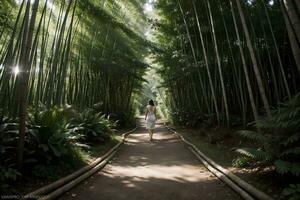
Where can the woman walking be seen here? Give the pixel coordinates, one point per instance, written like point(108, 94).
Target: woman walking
point(150, 118)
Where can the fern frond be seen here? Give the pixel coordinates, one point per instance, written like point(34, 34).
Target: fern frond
point(292, 139)
point(256, 154)
point(293, 151)
point(284, 167)
point(295, 168)
point(287, 116)
point(292, 192)
point(253, 136)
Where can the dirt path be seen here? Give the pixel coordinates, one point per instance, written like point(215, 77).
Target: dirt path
point(161, 170)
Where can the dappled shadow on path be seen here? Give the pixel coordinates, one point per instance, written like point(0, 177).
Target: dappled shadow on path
point(162, 169)
point(109, 186)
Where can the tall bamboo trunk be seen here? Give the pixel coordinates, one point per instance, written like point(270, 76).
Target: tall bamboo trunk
point(292, 37)
point(293, 17)
point(192, 47)
point(237, 76)
point(8, 60)
point(23, 80)
point(297, 2)
point(254, 60)
point(250, 91)
point(219, 64)
point(277, 52)
point(207, 64)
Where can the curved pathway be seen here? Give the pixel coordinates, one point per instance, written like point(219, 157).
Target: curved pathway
point(160, 170)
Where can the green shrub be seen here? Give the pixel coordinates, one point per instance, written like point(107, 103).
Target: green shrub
point(292, 192)
point(51, 171)
point(51, 136)
point(92, 126)
point(192, 119)
point(123, 119)
point(8, 139)
point(279, 140)
point(8, 143)
point(241, 162)
point(7, 175)
point(54, 137)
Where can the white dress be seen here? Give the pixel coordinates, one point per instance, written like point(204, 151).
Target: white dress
point(150, 117)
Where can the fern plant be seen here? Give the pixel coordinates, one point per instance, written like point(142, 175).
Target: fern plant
point(279, 144)
point(292, 192)
point(93, 126)
point(51, 135)
point(8, 141)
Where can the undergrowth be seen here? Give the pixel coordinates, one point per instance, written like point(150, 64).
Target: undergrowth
point(58, 140)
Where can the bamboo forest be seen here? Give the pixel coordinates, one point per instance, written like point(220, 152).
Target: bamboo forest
point(150, 99)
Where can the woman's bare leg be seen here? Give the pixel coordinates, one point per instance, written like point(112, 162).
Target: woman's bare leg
point(151, 135)
point(149, 131)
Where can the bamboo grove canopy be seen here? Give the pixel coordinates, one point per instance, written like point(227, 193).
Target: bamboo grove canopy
point(224, 62)
point(77, 52)
point(228, 61)
point(84, 53)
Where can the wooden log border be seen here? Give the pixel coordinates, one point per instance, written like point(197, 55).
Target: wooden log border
point(244, 189)
point(57, 188)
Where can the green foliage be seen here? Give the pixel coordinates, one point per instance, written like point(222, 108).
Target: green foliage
point(51, 136)
point(93, 127)
point(241, 162)
point(253, 135)
point(6, 13)
point(193, 119)
point(55, 139)
point(93, 53)
point(8, 142)
point(84, 52)
point(123, 119)
point(8, 139)
point(7, 175)
point(51, 171)
point(256, 154)
point(287, 118)
point(284, 167)
point(8, 136)
point(279, 144)
point(292, 192)
point(192, 81)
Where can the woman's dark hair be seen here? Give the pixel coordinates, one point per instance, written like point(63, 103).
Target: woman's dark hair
point(151, 102)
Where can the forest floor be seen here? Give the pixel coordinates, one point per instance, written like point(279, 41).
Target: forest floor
point(161, 169)
point(214, 143)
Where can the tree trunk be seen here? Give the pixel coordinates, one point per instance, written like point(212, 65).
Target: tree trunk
point(192, 48)
point(293, 17)
point(286, 85)
point(297, 2)
point(250, 92)
point(23, 81)
point(219, 64)
point(254, 60)
point(206, 63)
point(293, 40)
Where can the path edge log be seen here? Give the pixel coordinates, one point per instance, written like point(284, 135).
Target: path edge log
point(77, 174)
point(240, 182)
point(77, 180)
point(221, 176)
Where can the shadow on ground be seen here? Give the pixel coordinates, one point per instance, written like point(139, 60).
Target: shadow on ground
point(162, 169)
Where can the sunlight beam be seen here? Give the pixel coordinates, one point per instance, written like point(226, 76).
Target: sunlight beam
point(16, 70)
point(148, 7)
